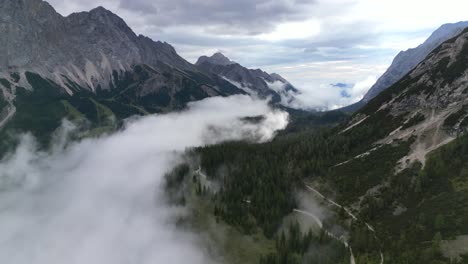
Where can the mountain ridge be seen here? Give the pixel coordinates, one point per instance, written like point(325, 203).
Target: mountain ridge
point(217, 58)
point(405, 61)
point(396, 173)
point(53, 66)
point(255, 82)
point(429, 95)
point(84, 47)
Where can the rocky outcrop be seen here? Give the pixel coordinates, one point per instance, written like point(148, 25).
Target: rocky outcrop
point(86, 66)
point(86, 48)
point(255, 82)
point(405, 61)
point(429, 105)
point(217, 59)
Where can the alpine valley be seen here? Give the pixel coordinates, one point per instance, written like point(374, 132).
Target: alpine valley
point(383, 181)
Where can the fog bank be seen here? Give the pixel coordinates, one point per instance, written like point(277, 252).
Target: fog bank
point(101, 201)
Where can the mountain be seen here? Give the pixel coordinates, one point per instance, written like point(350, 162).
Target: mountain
point(405, 61)
point(218, 59)
point(255, 82)
point(428, 104)
point(418, 128)
point(89, 55)
point(84, 48)
point(389, 185)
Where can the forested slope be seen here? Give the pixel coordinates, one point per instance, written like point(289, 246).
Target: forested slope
point(398, 166)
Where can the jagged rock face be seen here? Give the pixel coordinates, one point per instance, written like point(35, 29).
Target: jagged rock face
point(440, 81)
point(88, 58)
point(217, 59)
point(25, 27)
point(84, 48)
point(405, 61)
point(429, 105)
point(255, 82)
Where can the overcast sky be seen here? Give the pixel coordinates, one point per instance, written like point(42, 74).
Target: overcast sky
point(312, 43)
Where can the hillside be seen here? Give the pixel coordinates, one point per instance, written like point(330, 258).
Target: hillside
point(429, 102)
point(407, 60)
point(392, 180)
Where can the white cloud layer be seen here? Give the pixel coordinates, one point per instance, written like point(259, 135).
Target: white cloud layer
point(293, 30)
point(101, 200)
point(329, 97)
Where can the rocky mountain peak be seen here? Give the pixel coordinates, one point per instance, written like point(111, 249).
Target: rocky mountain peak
point(407, 60)
point(84, 47)
point(447, 29)
point(105, 14)
point(218, 59)
point(429, 105)
point(255, 82)
point(18, 10)
point(278, 77)
point(99, 16)
point(100, 10)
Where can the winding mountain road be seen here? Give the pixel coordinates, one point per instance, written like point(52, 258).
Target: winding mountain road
point(369, 227)
point(11, 110)
point(328, 233)
point(317, 220)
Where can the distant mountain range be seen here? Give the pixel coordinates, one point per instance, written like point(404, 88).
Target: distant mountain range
point(392, 177)
point(96, 52)
point(405, 61)
point(90, 61)
point(53, 67)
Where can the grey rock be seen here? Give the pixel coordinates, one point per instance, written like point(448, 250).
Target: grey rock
point(217, 59)
point(253, 81)
point(427, 108)
point(439, 82)
point(405, 61)
point(84, 48)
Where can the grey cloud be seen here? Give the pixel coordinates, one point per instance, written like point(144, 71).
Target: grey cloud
point(140, 6)
point(236, 17)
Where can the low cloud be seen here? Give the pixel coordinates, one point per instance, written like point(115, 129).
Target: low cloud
point(328, 97)
point(101, 200)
